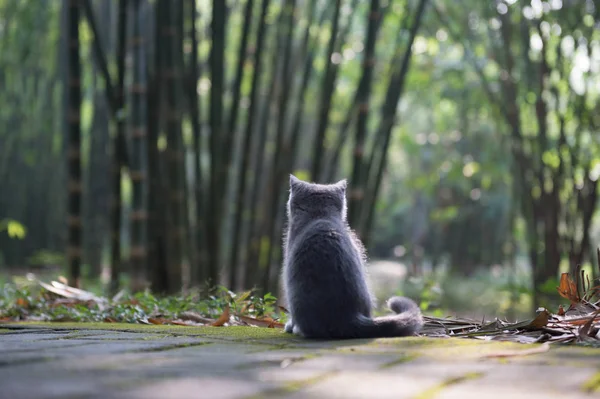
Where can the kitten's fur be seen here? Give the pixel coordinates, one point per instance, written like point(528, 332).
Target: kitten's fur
point(324, 271)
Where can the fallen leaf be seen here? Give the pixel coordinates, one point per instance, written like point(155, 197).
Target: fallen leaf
point(561, 310)
point(263, 322)
point(157, 320)
point(109, 319)
point(195, 317)
point(22, 302)
point(181, 323)
point(242, 297)
point(584, 330)
point(224, 318)
point(541, 320)
point(514, 353)
point(284, 310)
point(568, 289)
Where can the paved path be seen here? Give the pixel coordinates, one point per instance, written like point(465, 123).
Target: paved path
point(72, 361)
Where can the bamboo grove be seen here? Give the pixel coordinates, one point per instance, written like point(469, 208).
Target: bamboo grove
point(157, 136)
point(208, 166)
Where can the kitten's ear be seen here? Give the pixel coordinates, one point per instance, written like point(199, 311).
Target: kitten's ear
point(342, 185)
point(294, 181)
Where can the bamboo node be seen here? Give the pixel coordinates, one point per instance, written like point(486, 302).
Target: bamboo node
point(74, 252)
point(74, 186)
point(357, 194)
point(138, 252)
point(74, 221)
point(138, 216)
point(138, 132)
point(137, 176)
point(73, 153)
point(137, 89)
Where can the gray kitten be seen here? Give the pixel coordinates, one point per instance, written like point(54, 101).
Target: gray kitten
point(324, 272)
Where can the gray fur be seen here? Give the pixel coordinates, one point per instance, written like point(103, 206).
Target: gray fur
point(324, 273)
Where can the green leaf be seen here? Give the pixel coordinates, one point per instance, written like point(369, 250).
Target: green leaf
point(13, 228)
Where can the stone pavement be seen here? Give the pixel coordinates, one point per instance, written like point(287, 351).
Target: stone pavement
point(125, 361)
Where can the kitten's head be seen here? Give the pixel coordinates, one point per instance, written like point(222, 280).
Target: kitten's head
point(313, 201)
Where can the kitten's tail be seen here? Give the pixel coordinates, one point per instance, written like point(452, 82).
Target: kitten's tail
point(406, 322)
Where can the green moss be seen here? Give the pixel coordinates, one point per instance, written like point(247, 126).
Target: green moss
point(592, 385)
point(433, 391)
point(236, 332)
point(5, 330)
point(293, 386)
point(402, 359)
point(169, 347)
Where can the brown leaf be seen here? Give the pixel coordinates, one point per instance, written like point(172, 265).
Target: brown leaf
point(22, 302)
point(561, 310)
point(514, 353)
point(568, 289)
point(541, 320)
point(263, 322)
point(158, 320)
point(284, 310)
point(584, 331)
point(224, 318)
point(195, 317)
point(109, 319)
point(181, 323)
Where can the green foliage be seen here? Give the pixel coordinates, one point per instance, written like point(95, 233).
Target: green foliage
point(13, 228)
point(46, 257)
point(25, 300)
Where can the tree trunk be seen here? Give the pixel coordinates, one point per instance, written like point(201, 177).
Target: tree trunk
point(138, 172)
point(199, 272)
point(233, 117)
point(218, 138)
point(175, 153)
point(279, 168)
point(118, 154)
point(74, 149)
point(388, 116)
point(245, 172)
point(158, 190)
point(358, 180)
point(326, 96)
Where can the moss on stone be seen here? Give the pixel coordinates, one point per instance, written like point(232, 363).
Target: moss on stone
point(435, 390)
point(405, 358)
point(592, 385)
point(235, 332)
point(4, 330)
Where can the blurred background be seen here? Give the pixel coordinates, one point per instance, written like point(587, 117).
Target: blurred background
point(148, 143)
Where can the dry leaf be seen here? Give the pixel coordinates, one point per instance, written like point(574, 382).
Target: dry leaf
point(242, 297)
point(109, 319)
point(541, 320)
point(568, 289)
point(224, 318)
point(561, 310)
point(264, 322)
point(584, 331)
point(157, 320)
point(514, 353)
point(22, 302)
point(195, 317)
point(181, 323)
point(284, 310)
